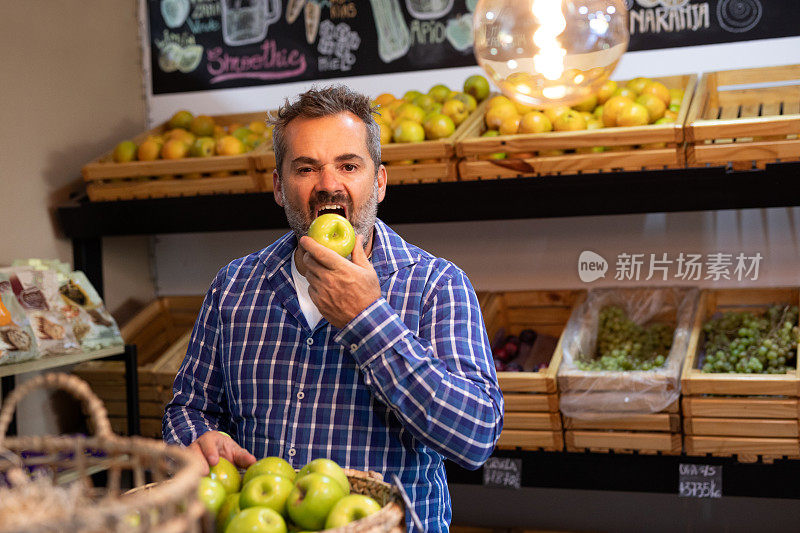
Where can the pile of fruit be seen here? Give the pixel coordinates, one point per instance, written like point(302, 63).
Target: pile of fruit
point(187, 135)
point(418, 116)
point(528, 352)
point(639, 102)
point(745, 342)
point(624, 345)
point(272, 498)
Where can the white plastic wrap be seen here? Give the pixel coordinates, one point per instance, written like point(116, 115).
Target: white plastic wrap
point(598, 394)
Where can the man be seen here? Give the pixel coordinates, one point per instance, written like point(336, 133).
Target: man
point(379, 363)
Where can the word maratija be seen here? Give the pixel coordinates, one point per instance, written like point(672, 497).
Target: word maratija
point(271, 64)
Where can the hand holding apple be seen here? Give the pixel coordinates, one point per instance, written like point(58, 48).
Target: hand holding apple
point(212, 445)
point(339, 288)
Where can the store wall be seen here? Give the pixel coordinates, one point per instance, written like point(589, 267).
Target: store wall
point(71, 88)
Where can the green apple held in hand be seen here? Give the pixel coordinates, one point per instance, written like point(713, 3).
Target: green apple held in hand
point(230, 508)
point(311, 499)
point(335, 232)
point(257, 520)
point(266, 490)
point(212, 494)
point(351, 508)
point(227, 474)
point(270, 465)
point(328, 468)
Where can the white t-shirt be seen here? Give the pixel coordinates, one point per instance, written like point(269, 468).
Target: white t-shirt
point(307, 306)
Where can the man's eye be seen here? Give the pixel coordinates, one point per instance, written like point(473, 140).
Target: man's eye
point(305, 170)
point(349, 167)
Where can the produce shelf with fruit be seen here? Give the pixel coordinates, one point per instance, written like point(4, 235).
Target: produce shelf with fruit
point(186, 156)
point(742, 399)
point(562, 140)
point(745, 118)
point(525, 327)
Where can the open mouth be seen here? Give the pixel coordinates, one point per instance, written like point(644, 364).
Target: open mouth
point(337, 209)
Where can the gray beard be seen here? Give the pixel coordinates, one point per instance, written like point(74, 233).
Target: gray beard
point(363, 220)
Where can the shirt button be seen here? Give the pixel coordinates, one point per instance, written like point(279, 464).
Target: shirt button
point(353, 347)
point(309, 341)
point(292, 452)
point(301, 395)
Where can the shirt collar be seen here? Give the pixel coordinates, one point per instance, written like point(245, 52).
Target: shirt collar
point(390, 252)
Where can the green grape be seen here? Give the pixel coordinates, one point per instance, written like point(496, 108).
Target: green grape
point(748, 343)
point(623, 345)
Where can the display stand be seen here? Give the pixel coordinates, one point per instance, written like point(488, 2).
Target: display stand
point(125, 353)
point(613, 193)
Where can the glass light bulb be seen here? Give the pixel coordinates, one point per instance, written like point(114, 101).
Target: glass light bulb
point(545, 53)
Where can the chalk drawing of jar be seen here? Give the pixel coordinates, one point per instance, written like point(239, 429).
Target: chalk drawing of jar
point(394, 38)
point(247, 21)
point(429, 9)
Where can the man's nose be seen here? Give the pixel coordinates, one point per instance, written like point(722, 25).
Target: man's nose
point(328, 179)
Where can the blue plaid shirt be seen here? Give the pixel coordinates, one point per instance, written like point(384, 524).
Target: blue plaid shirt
point(407, 383)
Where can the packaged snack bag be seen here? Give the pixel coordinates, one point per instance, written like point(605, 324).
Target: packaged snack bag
point(91, 323)
point(37, 293)
point(17, 342)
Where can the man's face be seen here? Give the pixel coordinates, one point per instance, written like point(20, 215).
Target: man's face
point(327, 168)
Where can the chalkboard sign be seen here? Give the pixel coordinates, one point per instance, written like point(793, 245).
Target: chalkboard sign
point(699, 481)
point(502, 472)
point(216, 44)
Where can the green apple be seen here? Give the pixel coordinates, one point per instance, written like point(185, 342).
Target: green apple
point(351, 508)
point(312, 498)
point(226, 473)
point(270, 465)
point(230, 508)
point(266, 490)
point(212, 494)
point(257, 520)
point(328, 468)
point(335, 232)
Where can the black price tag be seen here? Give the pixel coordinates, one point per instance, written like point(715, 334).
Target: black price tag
point(699, 481)
point(502, 472)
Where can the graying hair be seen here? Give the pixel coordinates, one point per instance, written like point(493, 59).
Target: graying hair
point(327, 101)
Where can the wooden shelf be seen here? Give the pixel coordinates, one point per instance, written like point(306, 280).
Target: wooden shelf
point(55, 361)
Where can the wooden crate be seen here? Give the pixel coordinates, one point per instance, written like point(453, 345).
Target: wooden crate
point(627, 433)
point(420, 162)
point(531, 419)
point(626, 427)
point(522, 149)
point(160, 332)
point(745, 118)
point(191, 176)
point(743, 415)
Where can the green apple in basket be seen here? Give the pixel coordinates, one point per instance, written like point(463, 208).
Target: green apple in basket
point(312, 498)
point(257, 520)
point(270, 465)
point(212, 494)
point(230, 508)
point(335, 232)
point(328, 468)
point(266, 490)
point(227, 474)
point(351, 508)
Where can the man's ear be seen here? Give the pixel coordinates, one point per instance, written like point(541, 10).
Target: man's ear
point(276, 188)
point(382, 178)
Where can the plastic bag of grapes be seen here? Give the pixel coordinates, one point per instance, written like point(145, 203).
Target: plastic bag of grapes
point(623, 350)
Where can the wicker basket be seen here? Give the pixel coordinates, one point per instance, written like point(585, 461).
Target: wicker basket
point(171, 506)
